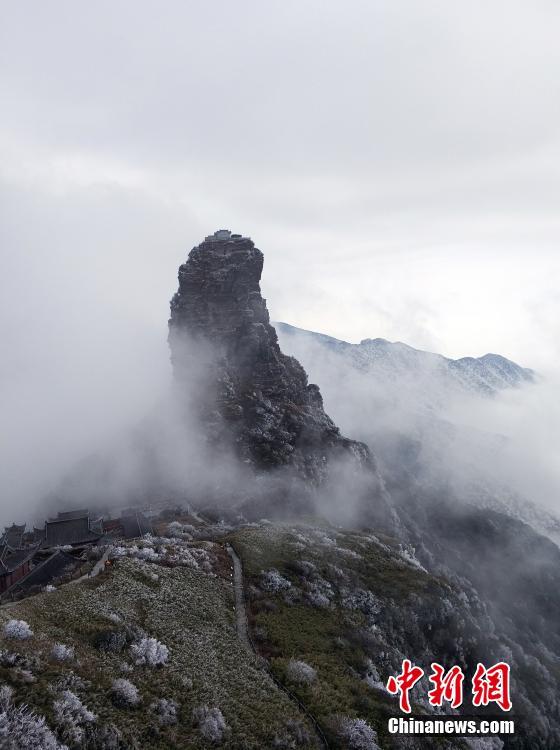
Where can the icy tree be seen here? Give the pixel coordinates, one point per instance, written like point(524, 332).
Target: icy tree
point(21, 729)
point(211, 723)
point(61, 652)
point(149, 652)
point(273, 582)
point(358, 734)
point(19, 630)
point(124, 694)
point(300, 671)
point(71, 717)
point(165, 711)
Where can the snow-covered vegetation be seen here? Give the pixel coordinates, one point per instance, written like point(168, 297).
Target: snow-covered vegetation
point(61, 652)
point(149, 652)
point(211, 723)
point(273, 582)
point(71, 717)
point(22, 729)
point(180, 530)
point(183, 609)
point(300, 671)
point(357, 734)
point(172, 550)
point(18, 630)
point(165, 711)
point(124, 694)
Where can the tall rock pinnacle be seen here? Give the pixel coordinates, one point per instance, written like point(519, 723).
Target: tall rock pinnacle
point(247, 388)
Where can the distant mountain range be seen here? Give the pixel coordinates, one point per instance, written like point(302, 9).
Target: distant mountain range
point(386, 359)
point(409, 405)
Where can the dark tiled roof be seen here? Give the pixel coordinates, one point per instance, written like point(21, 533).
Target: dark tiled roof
point(70, 531)
point(12, 560)
point(56, 565)
point(71, 514)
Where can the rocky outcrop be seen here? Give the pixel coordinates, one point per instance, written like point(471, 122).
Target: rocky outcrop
point(247, 389)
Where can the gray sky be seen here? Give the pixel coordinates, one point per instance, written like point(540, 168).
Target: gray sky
point(397, 162)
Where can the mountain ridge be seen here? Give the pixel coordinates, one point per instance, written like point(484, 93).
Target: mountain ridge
point(490, 373)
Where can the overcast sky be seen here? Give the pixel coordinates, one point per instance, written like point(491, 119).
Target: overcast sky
point(397, 162)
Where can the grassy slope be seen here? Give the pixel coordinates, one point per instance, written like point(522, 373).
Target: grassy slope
point(188, 611)
point(323, 637)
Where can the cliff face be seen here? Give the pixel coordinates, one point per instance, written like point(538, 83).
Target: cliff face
point(247, 388)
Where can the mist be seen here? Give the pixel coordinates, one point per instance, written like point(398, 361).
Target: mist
point(376, 152)
point(496, 450)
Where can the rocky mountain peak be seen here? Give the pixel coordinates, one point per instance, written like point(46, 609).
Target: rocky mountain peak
point(253, 392)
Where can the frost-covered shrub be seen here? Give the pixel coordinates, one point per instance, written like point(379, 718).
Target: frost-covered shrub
point(68, 681)
point(300, 671)
point(165, 711)
point(293, 734)
point(180, 530)
point(149, 652)
point(273, 582)
point(319, 593)
point(124, 694)
point(22, 729)
point(61, 652)
point(146, 553)
point(362, 600)
point(19, 630)
point(189, 557)
point(211, 723)
point(71, 717)
point(357, 734)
